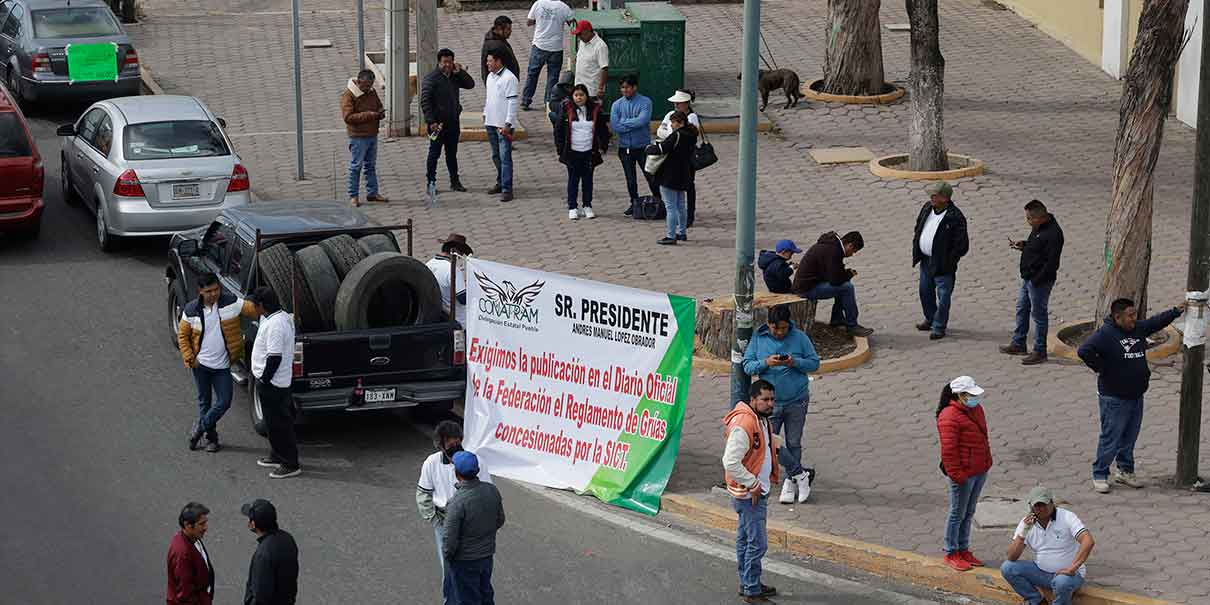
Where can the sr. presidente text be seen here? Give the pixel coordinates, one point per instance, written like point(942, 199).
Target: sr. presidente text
point(613, 315)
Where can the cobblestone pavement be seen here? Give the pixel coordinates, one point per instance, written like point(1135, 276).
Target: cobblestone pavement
point(1042, 119)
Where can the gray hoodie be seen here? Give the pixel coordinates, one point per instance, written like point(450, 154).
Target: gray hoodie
point(472, 518)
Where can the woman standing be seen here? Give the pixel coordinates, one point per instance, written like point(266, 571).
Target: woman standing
point(966, 457)
point(675, 174)
point(681, 101)
point(582, 137)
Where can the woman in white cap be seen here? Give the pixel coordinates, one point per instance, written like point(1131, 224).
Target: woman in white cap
point(966, 456)
point(682, 101)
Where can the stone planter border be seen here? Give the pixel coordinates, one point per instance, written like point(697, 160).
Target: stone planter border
point(859, 355)
point(1055, 347)
point(810, 93)
point(878, 167)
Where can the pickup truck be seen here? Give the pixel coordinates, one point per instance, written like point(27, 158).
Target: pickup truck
point(376, 368)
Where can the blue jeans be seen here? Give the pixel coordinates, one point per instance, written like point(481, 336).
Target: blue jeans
point(1025, 577)
point(844, 309)
point(472, 582)
point(793, 416)
point(1121, 420)
point(502, 157)
point(218, 381)
point(935, 293)
point(751, 541)
point(363, 155)
point(674, 203)
point(553, 60)
point(963, 499)
point(579, 172)
point(633, 161)
point(1033, 300)
point(447, 587)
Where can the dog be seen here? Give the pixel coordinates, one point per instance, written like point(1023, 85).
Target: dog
point(771, 80)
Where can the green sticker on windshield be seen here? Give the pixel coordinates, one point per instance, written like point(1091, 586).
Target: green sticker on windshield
point(92, 62)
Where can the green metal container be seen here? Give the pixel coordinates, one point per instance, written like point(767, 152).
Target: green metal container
point(646, 39)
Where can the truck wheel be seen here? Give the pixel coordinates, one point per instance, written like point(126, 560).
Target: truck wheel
point(378, 242)
point(344, 253)
point(255, 411)
point(388, 289)
point(276, 265)
point(175, 306)
point(322, 282)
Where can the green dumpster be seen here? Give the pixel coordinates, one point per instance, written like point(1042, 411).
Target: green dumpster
point(646, 39)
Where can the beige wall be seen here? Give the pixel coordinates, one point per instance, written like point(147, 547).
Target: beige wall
point(1075, 23)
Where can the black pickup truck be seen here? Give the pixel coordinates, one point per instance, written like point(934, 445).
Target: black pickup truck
point(418, 362)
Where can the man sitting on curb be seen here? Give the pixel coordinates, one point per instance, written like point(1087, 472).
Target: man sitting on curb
point(1061, 545)
point(776, 267)
point(822, 275)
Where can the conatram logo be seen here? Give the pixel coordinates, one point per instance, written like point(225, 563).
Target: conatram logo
point(506, 301)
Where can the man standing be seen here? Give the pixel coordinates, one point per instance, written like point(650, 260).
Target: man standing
point(1039, 269)
point(822, 275)
point(190, 573)
point(750, 472)
point(499, 116)
point(776, 267)
point(442, 264)
point(273, 573)
point(209, 338)
point(474, 515)
point(496, 42)
point(1061, 545)
point(550, 16)
point(783, 355)
point(592, 60)
point(272, 363)
point(940, 240)
point(630, 119)
point(1118, 354)
point(442, 114)
point(362, 111)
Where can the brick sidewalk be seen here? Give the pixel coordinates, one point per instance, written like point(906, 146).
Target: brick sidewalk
point(1043, 120)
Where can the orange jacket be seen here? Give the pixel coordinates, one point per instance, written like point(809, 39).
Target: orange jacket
point(191, 327)
point(760, 443)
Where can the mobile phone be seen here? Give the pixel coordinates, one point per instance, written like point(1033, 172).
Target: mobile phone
point(782, 356)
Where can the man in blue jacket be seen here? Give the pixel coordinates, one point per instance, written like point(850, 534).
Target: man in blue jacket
point(783, 355)
point(630, 119)
point(1118, 354)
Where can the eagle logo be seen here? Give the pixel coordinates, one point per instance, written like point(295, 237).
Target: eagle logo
point(508, 294)
point(1128, 343)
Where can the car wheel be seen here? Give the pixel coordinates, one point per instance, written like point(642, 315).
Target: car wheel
point(255, 411)
point(14, 81)
point(174, 313)
point(106, 241)
point(378, 242)
point(344, 253)
point(388, 289)
point(69, 193)
point(322, 282)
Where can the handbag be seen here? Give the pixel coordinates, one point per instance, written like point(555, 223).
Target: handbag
point(648, 208)
point(704, 156)
point(654, 161)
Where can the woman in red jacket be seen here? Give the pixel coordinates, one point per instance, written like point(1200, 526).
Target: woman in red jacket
point(966, 456)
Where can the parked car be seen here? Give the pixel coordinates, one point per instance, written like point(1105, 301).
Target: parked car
point(34, 35)
point(21, 172)
point(152, 165)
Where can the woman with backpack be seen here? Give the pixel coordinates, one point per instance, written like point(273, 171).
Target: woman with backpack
point(582, 137)
point(682, 101)
point(675, 173)
point(966, 456)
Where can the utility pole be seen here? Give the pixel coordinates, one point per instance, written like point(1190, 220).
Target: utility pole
point(745, 207)
point(298, 117)
point(426, 37)
point(398, 68)
point(361, 35)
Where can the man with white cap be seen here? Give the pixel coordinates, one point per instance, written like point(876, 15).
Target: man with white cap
point(1061, 545)
point(940, 241)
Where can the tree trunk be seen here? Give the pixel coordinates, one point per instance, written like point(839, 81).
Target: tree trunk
point(853, 60)
point(1146, 99)
point(926, 86)
point(716, 319)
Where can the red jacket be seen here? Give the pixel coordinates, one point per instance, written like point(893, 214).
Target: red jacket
point(190, 578)
point(965, 451)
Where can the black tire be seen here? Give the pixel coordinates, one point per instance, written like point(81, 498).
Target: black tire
point(255, 413)
point(322, 282)
point(378, 242)
point(175, 307)
point(69, 192)
point(388, 289)
point(276, 266)
point(344, 253)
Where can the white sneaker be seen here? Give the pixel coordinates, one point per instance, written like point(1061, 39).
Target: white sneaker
point(804, 486)
point(1127, 479)
point(788, 487)
point(573, 215)
point(1101, 485)
point(588, 213)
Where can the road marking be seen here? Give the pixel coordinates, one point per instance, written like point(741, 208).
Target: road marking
point(283, 132)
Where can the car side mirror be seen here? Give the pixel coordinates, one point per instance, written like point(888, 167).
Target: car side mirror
point(66, 130)
point(187, 248)
point(222, 122)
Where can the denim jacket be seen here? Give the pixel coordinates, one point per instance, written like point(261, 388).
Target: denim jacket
point(630, 119)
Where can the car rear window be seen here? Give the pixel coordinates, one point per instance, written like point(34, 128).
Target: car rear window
point(83, 22)
point(177, 139)
point(13, 141)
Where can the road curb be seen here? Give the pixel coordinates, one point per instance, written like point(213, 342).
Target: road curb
point(983, 584)
point(148, 84)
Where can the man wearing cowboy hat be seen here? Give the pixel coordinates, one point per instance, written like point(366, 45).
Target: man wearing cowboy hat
point(442, 264)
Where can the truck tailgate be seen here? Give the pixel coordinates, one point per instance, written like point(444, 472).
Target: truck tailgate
point(379, 356)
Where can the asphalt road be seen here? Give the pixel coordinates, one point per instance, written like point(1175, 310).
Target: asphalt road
point(94, 469)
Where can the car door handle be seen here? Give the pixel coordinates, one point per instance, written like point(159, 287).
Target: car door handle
point(96, 170)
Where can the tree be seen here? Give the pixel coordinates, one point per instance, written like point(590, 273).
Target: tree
point(853, 59)
point(926, 85)
point(1146, 99)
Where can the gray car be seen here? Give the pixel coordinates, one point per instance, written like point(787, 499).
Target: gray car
point(150, 165)
point(36, 37)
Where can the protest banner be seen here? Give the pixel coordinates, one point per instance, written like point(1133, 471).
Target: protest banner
point(92, 62)
point(576, 384)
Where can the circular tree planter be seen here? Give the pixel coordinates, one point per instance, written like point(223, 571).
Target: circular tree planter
point(1057, 342)
point(895, 167)
point(812, 92)
point(705, 362)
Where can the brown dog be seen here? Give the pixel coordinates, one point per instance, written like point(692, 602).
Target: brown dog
point(784, 79)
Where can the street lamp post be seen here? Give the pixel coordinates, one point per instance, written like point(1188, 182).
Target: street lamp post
point(745, 207)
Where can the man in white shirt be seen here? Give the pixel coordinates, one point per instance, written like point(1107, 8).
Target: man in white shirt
point(442, 264)
point(499, 117)
point(750, 470)
point(272, 365)
point(939, 242)
point(1061, 545)
point(550, 17)
point(592, 60)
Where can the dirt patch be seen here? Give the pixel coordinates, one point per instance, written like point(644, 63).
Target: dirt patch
point(831, 342)
point(1076, 335)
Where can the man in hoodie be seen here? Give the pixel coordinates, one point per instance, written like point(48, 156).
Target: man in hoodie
point(776, 267)
point(1117, 352)
point(938, 243)
point(783, 355)
point(362, 111)
point(1039, 269)
point(630, 119)
point(750, 473)
point(822, 275)
point(496, 42)
point(442, 113)
point(561, 92)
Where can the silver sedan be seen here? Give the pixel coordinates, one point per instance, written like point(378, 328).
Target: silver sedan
point(151, 165)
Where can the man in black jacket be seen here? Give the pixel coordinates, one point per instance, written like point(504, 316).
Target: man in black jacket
point(940, 240)
point(472, 518)
point(1039, 268)
point(822, 275)
point(496, 43)
point(273, 573)
point(442, 112)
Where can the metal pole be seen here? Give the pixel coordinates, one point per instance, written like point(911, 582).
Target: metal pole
point(745, 207)
point(298, 117)
point(398, 69)
point(1189, 425)
point(361, 35)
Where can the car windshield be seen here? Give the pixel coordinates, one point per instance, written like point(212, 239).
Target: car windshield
point(13, 142)
point(169, 140)
point(83, 22)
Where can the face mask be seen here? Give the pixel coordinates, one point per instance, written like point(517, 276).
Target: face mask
point(972, 401)
point(450, 451)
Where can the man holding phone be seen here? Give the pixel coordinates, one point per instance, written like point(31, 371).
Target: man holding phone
point(1061, 545)
point(362, 111)
point(1040, 254)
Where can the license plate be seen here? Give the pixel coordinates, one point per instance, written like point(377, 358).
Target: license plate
point(379, 395)
point(185, 191)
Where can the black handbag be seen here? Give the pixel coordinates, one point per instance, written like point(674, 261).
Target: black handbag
point(648, 208)
point(704, 156)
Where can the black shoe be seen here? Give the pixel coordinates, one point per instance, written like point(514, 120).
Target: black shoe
point(213, 447)
point(507, 196)
point(859, 330)
point(684, 237)
point(456, 185)
point(688, 224)
point(283, 471)
point(924, 326)
point(1012, 349)
point(194, 436)
point(937, 334)
point(268, 462)
point(629, 211)
point(525, 107)
point(1034, 359)
point(495, 190)
point(667, 241)
point(765, 591)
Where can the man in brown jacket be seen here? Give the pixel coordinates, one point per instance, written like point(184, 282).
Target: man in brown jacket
point(362, 111)
point(750, 466)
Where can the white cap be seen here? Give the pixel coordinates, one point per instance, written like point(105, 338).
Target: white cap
point(680, 97)
point(965, 384)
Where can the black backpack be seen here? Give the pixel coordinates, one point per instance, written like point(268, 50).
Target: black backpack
point(648, 208)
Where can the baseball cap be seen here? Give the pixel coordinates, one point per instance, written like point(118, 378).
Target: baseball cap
point(1039, 495)
point(965, 384)
point(261, 511)
point(787, 245)
point(940, 187)
point(581, 26)
point(466, 464)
